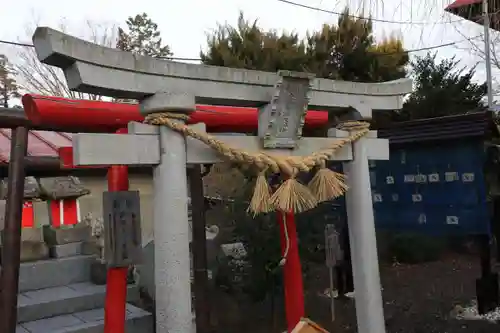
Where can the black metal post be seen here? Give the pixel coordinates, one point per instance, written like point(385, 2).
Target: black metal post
point(9, 278)
point(487, 287)
point(199, 248)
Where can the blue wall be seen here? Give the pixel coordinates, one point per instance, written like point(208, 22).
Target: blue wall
point(433, 189)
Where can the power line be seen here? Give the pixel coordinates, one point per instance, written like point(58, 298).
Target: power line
point(317, 9)
point(431, 47)
point(15, 43)
point(376, 54)
point(31, 45)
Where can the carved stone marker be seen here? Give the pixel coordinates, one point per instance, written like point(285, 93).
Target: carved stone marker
point(122, 228)
point(281, 121)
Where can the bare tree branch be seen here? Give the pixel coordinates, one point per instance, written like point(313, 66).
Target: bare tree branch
point(37, 78)
point(476, 46)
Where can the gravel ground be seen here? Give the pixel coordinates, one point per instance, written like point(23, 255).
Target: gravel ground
point(421, 298)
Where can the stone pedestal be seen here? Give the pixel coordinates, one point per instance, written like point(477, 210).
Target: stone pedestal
point(66, 235)
point(98, 272)
point(32, 251)
point(91, 248)
point(33, 246)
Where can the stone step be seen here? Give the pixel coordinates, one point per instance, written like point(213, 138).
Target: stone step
point(56, 301)
point(54, 272)
point(91, 321)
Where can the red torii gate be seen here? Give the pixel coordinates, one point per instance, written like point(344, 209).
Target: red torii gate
point(114, 117)
point(108, 117)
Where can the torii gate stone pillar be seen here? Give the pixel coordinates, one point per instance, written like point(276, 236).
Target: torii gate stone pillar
point(162, 85)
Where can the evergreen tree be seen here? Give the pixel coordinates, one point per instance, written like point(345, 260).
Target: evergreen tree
point(8, 86)
point(442, 89)
point(345, 51)
point(249, 46)
point(142, 37)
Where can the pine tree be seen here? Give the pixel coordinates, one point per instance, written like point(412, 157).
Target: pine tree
point(343, 51)
point(441, 89)
point(8, 86)
point(142, 37)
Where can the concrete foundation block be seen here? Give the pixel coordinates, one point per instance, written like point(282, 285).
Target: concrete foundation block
point(32, 251)
point(66, 250)
point(98, 272)
point(58, 236)
point(34, 235)
point(91, 248)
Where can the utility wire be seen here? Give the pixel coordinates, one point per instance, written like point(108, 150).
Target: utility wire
point(31, 45)
point(375, 54)
point(317, 9)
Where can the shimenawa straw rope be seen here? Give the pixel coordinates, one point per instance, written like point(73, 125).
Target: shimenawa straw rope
point(291, 195)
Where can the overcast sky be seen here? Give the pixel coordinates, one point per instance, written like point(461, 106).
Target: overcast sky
point(183, 24)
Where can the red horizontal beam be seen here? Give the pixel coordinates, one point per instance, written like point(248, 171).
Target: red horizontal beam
point(106, 116)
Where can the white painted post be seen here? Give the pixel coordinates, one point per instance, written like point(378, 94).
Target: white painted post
point(359, 206)
point(171, 229)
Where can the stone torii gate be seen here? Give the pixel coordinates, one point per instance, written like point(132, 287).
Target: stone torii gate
point(166, 86)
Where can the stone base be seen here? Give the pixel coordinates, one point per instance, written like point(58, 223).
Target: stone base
point(91, 248)
point(28, 235)
point(32, 251)
point(66, 250)
point(99, 273)
point(59, 236)
point(487, 293)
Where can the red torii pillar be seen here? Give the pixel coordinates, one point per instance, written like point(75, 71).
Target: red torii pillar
point(61, 112)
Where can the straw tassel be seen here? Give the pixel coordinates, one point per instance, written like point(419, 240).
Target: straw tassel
point(261, 198)
point(327, 184)
point(293, 196)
